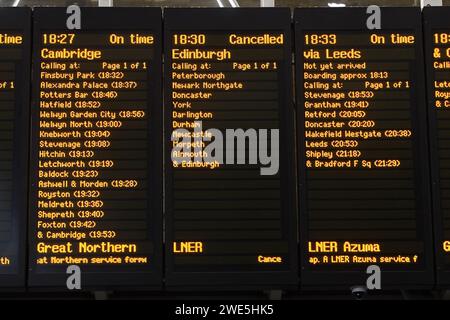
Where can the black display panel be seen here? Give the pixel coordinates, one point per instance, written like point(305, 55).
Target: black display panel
point(15, 39)
point(228, 224)
point(437, 57)
point(363, 164)
point(96, 168)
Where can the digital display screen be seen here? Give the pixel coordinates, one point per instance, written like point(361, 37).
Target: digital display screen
point(229, 168)
point(95, 199)
point(15, 29)
point(363, 168)
point(437, 54)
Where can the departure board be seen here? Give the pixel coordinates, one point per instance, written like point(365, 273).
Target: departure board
point(437, 44)
point(96, 173)
point(15, 29)
point(363, 160)
point(229, 169)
